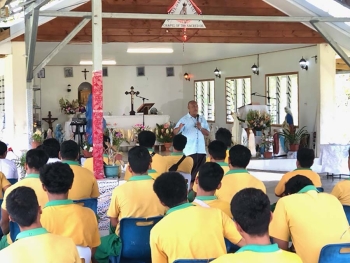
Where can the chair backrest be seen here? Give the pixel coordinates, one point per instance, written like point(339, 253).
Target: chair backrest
point(84, 253)
point(347, 212)
point(14, 230)
point(332, 253)
point(135, 234)
point(88, 202)
point(193, 260)
point(320, 189)
point(188, 178)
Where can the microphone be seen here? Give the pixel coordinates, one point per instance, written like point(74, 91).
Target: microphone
point(197, 117)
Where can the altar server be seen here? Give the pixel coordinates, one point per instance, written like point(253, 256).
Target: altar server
point(225, 136)
point(52, 148)
point(342, 189)
point(7, 167)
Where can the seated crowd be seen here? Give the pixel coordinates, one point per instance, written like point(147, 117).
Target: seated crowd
point(226, 215)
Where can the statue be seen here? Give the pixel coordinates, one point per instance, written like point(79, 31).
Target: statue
point(288, 123)
point(58, 133)
point(89, 120)
point(236, 129)
point(49, 134)
point(279, 147)
point(251, 143)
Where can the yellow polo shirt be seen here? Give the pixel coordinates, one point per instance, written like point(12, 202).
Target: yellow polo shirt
point(236, 180)
point(259, 253)
point(312, 220)
point(226, 159)
point(314, 177)
point(89, 163)
point(185, 166)
point(37, 245)
point(135, 198)
point(188, 232)
point(64, 218)
point(213, 202)
point(342, 191)
point(3, 183)
point(84, 184)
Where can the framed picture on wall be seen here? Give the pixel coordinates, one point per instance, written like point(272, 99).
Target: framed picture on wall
point(41, 74)
point(140, 71)
point(68, 72)
point(105, 72)
point(170, 72)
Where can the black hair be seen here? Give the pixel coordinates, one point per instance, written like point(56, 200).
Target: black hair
point(139, 159)
point(305, 157)
point(296, 183)
point(57, 177)
point(209, 176)
point(22, 205)
point(36, 158)
point(3, 148)
point(105, 139)
point(239, 156)
point(349, 152)
point(147, 139)
point(224, 135)
point(217, 149)
point(69, 150)
point(51, 147)
point(179, 142)
point(250, 208)
point(171, 189)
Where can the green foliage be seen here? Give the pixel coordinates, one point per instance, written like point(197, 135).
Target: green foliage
point(294, 137)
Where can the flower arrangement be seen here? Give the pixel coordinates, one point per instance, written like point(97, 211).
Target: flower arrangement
point(139, 128)
point(258, 120)
point(37, 136)
point(164, 132)
point(68, 107)
point(117, 138)
point(87, 147)
point(81, 109)
point(266, 142)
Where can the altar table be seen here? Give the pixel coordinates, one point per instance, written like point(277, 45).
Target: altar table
point(127, 121)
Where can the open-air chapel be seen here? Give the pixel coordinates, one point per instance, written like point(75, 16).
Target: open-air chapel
point(171, 131)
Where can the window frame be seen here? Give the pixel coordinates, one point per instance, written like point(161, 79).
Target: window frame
point(194, 95)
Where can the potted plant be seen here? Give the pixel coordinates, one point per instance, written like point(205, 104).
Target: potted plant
point(265, 145)
point(87, 149)
point(165, 135)
point(37, 139)
point(293, 138)
point(20, 163)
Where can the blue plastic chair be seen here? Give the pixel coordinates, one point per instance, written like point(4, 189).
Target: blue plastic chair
point(347, 212)
point(88, 202)
point(135, 234)
point(12, 181)
point(14, 230)
point(193, 260)
point(332, 254)
point(230, 247)
point(320, 189)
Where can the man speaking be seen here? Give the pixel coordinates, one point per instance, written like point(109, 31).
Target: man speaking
point(194, 127)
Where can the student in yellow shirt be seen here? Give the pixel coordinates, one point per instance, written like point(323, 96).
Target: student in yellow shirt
point(208, 180)
point(188, 231)
point(238, 178)
point(135, 198)
point(311, 219)
point(60, 215)
point(148, 139)
point(179, 144)
point(4, 184)
point(35, 159)
point(225, 136)
point(34, 243)
point(305, 159)
point(251, 209)
point(84, 184)
point(342, 189)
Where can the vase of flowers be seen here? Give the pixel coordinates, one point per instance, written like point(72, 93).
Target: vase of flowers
point(37, 139)
point(165, 134)
point(137, 128)
point(266, 145)
point(87, 149)
point(69, 108)
point(257, 120)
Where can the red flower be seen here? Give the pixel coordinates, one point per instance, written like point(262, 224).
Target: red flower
point(10, 149)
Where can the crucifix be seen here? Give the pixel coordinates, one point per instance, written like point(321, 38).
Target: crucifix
point(85, 71)
point(50, 120)
point(132, 93)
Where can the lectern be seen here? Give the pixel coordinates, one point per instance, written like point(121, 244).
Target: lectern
point(144, 109)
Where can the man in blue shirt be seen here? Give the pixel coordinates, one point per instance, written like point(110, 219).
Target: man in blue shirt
point(194, 127)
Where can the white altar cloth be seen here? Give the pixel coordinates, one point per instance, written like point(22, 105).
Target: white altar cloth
point(334, 158)
point(127, 121)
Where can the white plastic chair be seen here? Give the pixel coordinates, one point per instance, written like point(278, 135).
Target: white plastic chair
point(85, 253)
point(188, 178)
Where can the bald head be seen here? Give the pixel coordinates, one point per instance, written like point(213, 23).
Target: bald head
point(192, 108)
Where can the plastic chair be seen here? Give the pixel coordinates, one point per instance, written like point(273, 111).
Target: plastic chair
point(14, 230)
point(84, 253)
point(88, 202)
point(193, 260)
point(320, 189)
point(332, 253)
point(135, 234)
point(347, 212)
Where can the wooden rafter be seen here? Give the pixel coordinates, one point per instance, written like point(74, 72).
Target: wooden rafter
point(341, 65)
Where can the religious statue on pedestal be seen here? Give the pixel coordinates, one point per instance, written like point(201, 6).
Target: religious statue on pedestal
point(236, 129)
point(58, 133)
point(288, 123)
point(251, 143)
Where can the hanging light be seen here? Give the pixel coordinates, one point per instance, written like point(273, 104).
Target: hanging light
point(303, 64)
point(255, 68)
point(187, 77)
point(217, 73)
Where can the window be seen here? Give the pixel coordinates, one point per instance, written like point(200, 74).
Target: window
point(204, 95)
point(283, 92)
point(238, 94)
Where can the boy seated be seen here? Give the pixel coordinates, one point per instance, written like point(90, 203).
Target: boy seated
point(34, 243)
point(342, 189)
point(84, 184)
point(148, 139)
point(60, 215)
point(188, 231)
point(208, 180)
point(135, 198)
point(305, 159)
point(251, 209)
point(225, 136)
point(311, 219)
point(238, 178)
point(179, 144)
point(8, 167)
point(52, 148)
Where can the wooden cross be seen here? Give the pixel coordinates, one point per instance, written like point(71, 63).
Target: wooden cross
point(132, 93)
point(50, 120)
point(85, 71)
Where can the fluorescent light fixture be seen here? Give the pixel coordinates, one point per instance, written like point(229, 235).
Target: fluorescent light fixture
point(104, 62)
point(150, 50)
point(85, 62)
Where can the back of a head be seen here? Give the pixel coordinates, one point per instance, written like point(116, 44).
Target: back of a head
point(36, 158)
point(250, 208)
point(147, 139)
point(106, 139)
point(139, 159)
point(57, 177)
point(69, 150)
point(217, 150)
point(3, 148)
point(225, 136)
point(239, 156)
point(305, 157)
point(296, 183)
point(179, 142)
point(22, 206)
point(209, 176)
point(171, 189)
point(51, 147)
